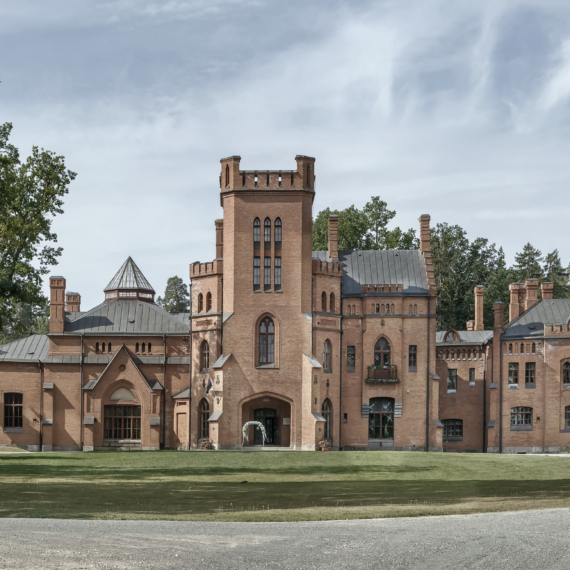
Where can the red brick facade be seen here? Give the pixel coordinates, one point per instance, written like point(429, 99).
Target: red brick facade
point(337, 346)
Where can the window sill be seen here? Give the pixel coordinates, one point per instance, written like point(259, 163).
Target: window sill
point(565, 385)
point(532, 386)
point(513, 386)
point(267, 367)
point(471, 383)
point(327, 371)
point(521, 428)
point(413, 369)
point(350, 369)
point(13, 430)
point(453, 438)
point(452, 391)
point(565, 430)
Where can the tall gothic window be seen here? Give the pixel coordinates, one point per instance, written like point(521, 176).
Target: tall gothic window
point(227, 176)
point(200, 303)
point(256, 233)
point(278, 233)
point(277, 269)
point(382, 353)
point(208, 302)
point(324, 302)
point(327, 414)
point(331, 303)
point(267, 233)
point(204, 415)
point(266, 341)
point(327, 364)
point(566, 373)
point(205, 356)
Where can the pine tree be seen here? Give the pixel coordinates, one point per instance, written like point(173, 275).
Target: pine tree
point(554, 272)
point(528, 263)
point(176, 297)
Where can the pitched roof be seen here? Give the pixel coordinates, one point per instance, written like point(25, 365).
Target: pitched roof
point(129, 277)
point(30, 349)
point(531, 323)
point(381, 267)
point(127, 316)
point(465, 337)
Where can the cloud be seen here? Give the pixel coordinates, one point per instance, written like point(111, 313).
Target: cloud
point(449, 108)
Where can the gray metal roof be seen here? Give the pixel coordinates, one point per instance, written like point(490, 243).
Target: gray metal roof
point(30, 349)
point(127, 316)
point(466, 337)
point(129, 277)
point(531, 323)
point(381, 267)
point(182, 394)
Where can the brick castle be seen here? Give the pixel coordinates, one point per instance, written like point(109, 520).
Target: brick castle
point(317, 346)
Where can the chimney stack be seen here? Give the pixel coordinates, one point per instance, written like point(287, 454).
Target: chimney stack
point(547, 290)
point(514, 304)
point(230, 177)
point(424, 233)
point(531, 290)
point(333, 238)
point(219, 239)
point(56, 304)
point(72, 302)
point(470, 325)
point(479, 290)
point(499, 314)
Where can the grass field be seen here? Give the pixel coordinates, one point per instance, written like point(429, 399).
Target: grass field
point(280, 486)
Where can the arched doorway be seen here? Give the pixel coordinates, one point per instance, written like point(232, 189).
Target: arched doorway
point(122, 414)
point(275, 415)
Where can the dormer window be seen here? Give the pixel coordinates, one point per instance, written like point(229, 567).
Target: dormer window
point(451, 336)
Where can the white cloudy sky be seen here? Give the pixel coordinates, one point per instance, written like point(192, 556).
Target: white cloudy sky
point(455, 108)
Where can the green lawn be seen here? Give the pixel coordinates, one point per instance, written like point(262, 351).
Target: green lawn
point(280, 486)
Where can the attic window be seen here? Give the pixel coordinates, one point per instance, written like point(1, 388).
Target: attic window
point(451, 336)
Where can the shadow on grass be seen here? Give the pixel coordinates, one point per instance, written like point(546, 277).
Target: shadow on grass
point(176, 499)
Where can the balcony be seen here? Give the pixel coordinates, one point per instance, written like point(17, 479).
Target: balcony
point(383, 375)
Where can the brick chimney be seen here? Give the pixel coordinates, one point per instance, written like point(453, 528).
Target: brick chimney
point(470, 325)
point(306, 170)
point(72, 302)
point(479, 290)
point(514, 304)
point(499, 314)
point(425, 248)
point(333, 238)
point(56, 304)
point(547, 290)
point(531, 290)
point(219, 239)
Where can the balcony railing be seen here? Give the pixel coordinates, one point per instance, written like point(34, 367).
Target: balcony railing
point(383, 375)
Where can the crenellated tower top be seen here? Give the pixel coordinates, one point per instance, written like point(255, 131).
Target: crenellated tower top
point(232, 178)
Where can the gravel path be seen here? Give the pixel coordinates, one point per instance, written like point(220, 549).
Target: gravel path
point(526, 539)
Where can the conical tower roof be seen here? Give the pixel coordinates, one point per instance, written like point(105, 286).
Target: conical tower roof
point(129, 277)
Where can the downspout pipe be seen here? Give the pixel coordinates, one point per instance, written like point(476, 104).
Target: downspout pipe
point(163, 419)
point(41, 402)
point(340, 375)
point(81, 397)
point(501, 405)
point(427, 375)
point(485, 397)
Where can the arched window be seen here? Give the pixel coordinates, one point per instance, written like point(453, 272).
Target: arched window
point(452, 354)
point(441, 354)
point(377, 308)
point(137, 348)
point(266, 341)
point(227, 176)
point(381, 418)
point(143, 348)
point(451, 336)
point(267, 233)
point(510, 349)
point(97, 348)
point(205, 357)
point(308, 175)
point(149, 348)
point(447, 355)
point(521, 416)
point(109, 351)
point(566, 373)
point(331, 303)
point(278, 232)
point(453, 428)
point(382, 353)
point(324, 302)
point(327, 414)
point(103, 347)
point(208, 302)
point(392, 311)
point(256, 233)
point(415, 309)
point(204, 415)
point(410, 311)
point(474, 354)
point(463, 354)
point(200, 303)
point(533, 348)
point(354, 309)
point(327, 364)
